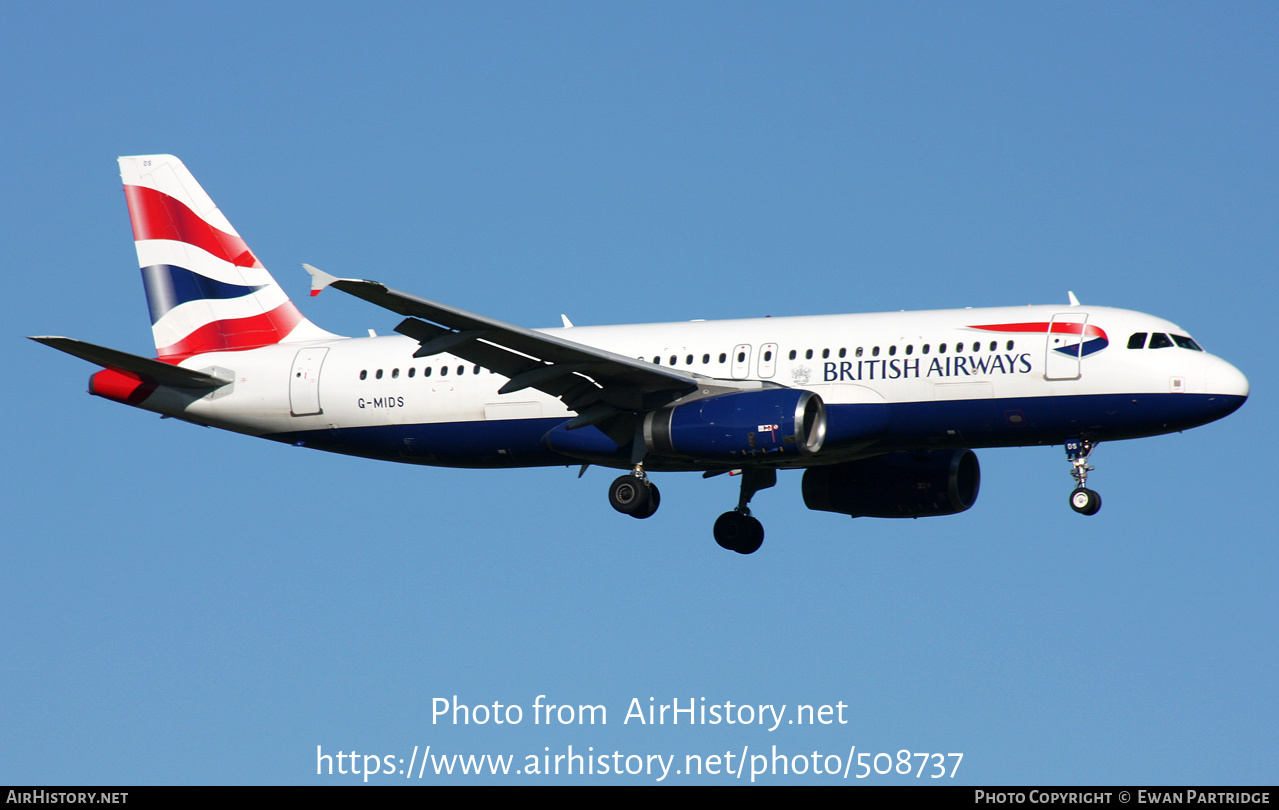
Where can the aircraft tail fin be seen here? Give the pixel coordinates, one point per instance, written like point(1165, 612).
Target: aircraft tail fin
point(205, 289)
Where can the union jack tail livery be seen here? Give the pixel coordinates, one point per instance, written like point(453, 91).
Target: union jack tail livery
point(205, 288)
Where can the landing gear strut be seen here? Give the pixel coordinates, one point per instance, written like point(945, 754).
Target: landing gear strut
point(634, 494)
point(737, 530)
point(1082, 500)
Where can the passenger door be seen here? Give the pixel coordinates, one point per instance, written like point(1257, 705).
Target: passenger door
point(1064, 346)
point(304, 382)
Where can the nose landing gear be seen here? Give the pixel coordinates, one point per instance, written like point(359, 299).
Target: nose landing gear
point(1083, 500)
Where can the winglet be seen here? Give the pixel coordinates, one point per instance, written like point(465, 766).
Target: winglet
point(319, 279)
point(567, 323)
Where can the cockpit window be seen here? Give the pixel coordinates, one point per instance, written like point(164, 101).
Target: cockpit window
point(1160, 341)
point(1137, 341)
point(1186, 342)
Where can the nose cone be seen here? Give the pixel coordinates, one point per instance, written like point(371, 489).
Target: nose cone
point(1224, 378)
point(1226, 386)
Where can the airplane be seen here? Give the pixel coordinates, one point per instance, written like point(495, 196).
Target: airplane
point(880, 411)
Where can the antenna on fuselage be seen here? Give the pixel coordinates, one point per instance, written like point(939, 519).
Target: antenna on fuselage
point(1074, 302)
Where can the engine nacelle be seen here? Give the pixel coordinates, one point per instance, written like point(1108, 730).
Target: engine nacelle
point(747, 424)
point(896, 485)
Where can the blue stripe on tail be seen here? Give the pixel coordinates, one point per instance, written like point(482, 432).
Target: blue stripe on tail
point(169, 286)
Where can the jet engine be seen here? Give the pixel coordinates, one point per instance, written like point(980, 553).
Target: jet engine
point(896, 485)
point(739, 426)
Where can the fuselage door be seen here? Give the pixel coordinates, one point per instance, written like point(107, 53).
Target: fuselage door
point(1065, 344)
point(767, 361)
point(741, 361)
point(304, 382)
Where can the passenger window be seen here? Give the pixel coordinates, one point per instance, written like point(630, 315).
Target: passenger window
point(768, 356)
point(825, 354)
point(426, 372)
point(994, 345)
point(1159, 340)
point(723, 357)
point(672, 359)
point(959, 347)
point(689, 360)
point(741, 357)
point(412, 373)
point(1137, 341)
point(874, 352)
point(925, 349)
point(792, 354)
point(364, 374)
point(378, 374)
point(808, 355)
point(909, 349)
point(706, 359)
point(475, 370)
point(395, 373)
point(461, 370)
point(892, 350)
point(941, 349)
point(1009, 346)
point(843, 352)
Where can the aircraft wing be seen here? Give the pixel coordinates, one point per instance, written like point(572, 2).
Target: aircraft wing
point(599, 385)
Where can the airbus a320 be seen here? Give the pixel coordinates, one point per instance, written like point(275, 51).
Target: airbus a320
point(881, 412)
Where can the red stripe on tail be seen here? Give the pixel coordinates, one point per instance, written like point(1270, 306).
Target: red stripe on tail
point(156, 215)
point(236, 334)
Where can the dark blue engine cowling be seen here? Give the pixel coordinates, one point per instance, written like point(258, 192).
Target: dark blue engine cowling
point(896, 485)
point(739, 426)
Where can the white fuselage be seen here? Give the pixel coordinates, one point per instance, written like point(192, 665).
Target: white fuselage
point(939, 359)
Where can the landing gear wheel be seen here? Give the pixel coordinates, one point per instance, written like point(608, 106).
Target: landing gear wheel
point(738, 532)
point(1082, 500)
point(1085, 501)
point(654, 501)
point(630, 495)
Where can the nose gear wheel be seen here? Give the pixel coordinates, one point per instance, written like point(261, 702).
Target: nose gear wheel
point(1083, 500)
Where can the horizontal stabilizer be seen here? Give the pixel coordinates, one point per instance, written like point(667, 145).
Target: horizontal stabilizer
point(150, 370)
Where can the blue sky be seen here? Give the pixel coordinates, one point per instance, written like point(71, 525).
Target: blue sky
point(182, 605)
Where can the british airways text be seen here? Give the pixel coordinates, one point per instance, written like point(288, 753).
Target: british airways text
point(911, 367)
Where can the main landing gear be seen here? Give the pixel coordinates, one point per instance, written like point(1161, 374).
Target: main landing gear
point(737, 530)
point(634, 494)
point(1082, 500)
